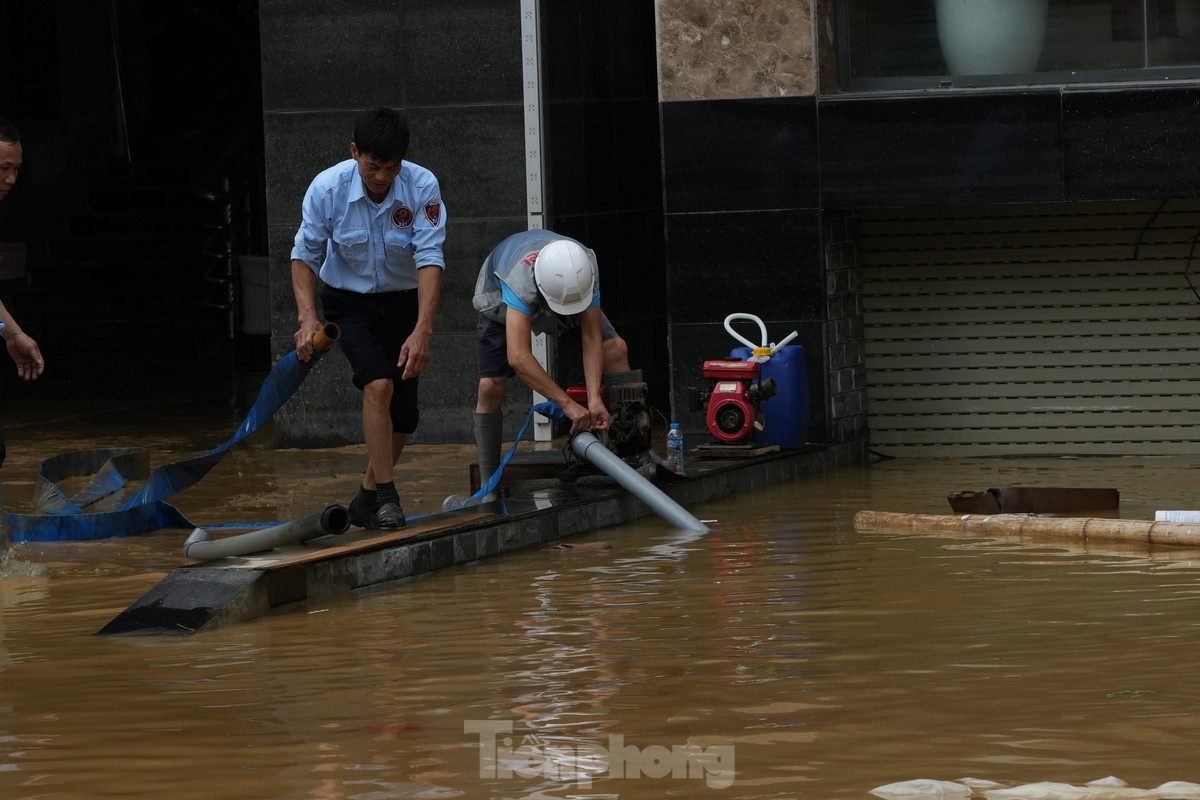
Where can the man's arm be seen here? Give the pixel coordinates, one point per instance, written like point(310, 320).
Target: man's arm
point(593, 364)
point(304, 288)
point(23, 349)
point(308, 250)
point(415, 354)
point(517, 330)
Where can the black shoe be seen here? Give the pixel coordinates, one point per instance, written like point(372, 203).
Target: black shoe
point(388, 517)
point(361, 510)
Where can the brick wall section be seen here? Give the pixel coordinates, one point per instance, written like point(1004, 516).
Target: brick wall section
point(847, 393)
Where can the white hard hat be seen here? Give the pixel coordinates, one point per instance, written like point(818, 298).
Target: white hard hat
point(565, 276)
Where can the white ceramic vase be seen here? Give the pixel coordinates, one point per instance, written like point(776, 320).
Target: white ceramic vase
point(991, 37)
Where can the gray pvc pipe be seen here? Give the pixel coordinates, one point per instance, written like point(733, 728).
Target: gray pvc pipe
point(588, 447)
point(202, 547)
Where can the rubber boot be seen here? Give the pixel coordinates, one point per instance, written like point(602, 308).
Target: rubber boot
point(489, 432)
point(489, 435)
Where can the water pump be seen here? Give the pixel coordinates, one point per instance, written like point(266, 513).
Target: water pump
point(737, 389)
point(733, 415)
point(628, 401)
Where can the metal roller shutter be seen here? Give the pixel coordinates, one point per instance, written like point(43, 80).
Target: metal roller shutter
point(1039, 329)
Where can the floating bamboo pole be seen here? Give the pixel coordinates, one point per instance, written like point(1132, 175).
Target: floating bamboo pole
point(1080, 529)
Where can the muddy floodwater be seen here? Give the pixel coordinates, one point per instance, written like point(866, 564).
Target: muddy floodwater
point(782, 654)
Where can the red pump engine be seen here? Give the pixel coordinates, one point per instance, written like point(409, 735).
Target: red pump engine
point(733, 400)
point(627, 399)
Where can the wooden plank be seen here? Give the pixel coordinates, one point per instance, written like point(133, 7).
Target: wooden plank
point(1035, 500)
point(327, 548)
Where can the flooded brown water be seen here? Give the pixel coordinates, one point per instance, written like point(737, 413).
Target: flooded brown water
point(790, 655)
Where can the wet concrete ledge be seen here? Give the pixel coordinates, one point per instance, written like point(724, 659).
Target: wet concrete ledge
point(204, 597)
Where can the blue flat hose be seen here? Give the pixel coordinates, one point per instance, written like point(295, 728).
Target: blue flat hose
point(62, 518)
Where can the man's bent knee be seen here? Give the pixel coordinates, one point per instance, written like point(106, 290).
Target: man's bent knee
point(616, 355)
point(379, 390)
point(491, 394)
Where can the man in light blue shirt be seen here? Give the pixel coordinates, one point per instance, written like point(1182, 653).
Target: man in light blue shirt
point(372, 233)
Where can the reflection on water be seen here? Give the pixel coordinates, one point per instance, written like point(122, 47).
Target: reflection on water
point(782, 650)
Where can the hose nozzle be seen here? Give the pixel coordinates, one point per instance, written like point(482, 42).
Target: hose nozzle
point(326, 338)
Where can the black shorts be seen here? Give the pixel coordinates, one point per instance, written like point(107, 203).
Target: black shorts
point(492, 346)
point(374, 328)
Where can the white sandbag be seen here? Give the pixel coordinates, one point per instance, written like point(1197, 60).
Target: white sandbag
point(1045, 790)
point(922, 789)
point(1178, 790)
point(1104, 789)
point(1103, 792)
point(979, 784)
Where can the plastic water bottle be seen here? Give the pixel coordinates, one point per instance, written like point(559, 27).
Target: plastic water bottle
point(675, 448)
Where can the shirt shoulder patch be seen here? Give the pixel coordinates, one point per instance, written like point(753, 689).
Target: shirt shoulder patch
point(433, 212)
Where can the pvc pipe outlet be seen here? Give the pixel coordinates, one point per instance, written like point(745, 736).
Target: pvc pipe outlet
point(589, 448)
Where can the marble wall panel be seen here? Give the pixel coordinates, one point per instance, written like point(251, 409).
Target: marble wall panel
point(724, 49)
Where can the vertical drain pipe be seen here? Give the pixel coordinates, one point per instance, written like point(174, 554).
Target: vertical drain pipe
point(542, 345)
point(588, 447)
